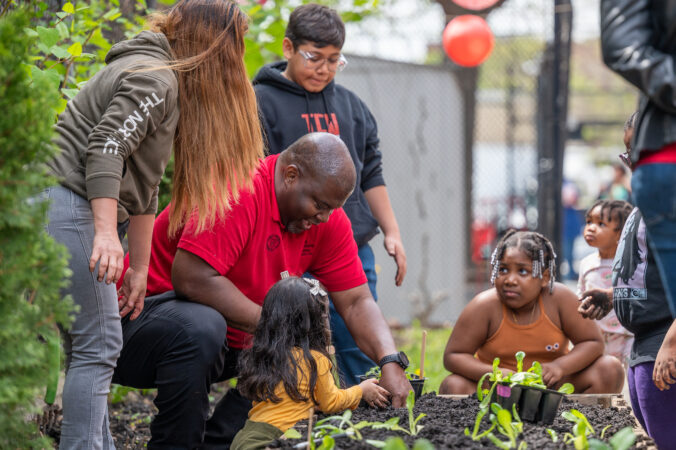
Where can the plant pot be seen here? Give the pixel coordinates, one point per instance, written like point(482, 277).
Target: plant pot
point(529, 403)
point(417, 384)
point(506, 396)
point(549, 406)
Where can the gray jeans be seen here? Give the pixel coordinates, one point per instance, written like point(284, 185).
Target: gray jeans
point(94, 341)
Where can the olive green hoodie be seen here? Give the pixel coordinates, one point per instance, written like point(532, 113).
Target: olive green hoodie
point(116, 134)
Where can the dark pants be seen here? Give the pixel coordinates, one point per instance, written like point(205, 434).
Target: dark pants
point(180, 348)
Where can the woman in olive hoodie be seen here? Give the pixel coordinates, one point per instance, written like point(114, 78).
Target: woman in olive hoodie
point(116, 137)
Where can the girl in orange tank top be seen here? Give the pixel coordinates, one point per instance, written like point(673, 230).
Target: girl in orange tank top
point(527, 311)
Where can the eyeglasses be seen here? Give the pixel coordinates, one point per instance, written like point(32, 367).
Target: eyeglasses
point(312, 61)
point(626, 159)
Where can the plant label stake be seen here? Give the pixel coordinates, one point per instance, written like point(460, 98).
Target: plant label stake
point(422, 354)
point(310, 442)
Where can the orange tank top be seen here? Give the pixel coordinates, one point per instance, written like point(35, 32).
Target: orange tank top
point(541, 341)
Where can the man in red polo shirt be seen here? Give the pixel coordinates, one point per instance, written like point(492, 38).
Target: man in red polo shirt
point(290, 223)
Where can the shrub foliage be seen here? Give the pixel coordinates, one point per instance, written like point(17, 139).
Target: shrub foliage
point(33, 268)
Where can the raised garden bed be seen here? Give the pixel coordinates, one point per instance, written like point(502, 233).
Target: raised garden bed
point(448, 416)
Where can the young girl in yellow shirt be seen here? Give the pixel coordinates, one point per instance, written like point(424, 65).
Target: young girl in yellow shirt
point(287, 371)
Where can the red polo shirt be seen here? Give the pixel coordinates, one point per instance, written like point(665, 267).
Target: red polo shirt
point(252, 248)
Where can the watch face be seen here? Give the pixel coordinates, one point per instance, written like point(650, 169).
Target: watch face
point(404, 358)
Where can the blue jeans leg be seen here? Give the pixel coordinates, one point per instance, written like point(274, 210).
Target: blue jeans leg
point(654, 188)
point(352, 362)
point(94, 341)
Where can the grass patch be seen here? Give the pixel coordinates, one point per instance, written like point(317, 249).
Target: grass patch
point(409, 340)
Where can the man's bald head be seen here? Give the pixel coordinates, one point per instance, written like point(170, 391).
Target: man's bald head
point(322, 156)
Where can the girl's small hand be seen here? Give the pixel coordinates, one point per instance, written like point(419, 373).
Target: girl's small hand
point(551, 374)
point(107, 251)
point(373, 394)
point(132, 292)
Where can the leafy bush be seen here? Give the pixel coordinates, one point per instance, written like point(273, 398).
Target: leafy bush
point(33, 268)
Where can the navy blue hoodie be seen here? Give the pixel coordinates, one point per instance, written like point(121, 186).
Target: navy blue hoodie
point(288, 112)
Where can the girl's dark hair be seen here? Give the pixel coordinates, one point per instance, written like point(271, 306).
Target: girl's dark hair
point(294, 320)
point(314, 23)
point(533, 244)
point(613, 210)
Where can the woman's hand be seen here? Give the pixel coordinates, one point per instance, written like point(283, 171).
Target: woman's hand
point(373, 394)
point(551, 374)
point(132, 293)
point(107, 252)
point(106, 249)
point(664, 372)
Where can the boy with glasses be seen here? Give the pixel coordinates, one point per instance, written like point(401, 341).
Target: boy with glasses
point(299, 96)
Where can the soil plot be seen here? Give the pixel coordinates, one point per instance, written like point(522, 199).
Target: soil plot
point(446, 420)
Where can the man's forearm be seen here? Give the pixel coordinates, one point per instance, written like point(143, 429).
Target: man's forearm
point(197, 281)
point(369, 329)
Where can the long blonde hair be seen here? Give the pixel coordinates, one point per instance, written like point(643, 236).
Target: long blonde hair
point(218, 140)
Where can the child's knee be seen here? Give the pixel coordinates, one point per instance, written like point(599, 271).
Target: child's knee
point(456, 384)
point(609, 373)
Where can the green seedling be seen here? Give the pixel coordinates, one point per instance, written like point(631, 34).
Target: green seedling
point(581, 429)
point(622, 440)
point(519, 361)
point(603, 432)
point(374, 372)
point(552, 434)
point(414, 428)
point(567, 388)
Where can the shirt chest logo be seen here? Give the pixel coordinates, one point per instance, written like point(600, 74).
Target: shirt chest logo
point(322, 122)
point(273, 242)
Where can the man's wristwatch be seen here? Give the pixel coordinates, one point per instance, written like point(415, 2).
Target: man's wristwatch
point(400, 358)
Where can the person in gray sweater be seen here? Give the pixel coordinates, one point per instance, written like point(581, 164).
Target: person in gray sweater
point(116, 137)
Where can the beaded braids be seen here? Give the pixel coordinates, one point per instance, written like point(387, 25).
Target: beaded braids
point(533, 244)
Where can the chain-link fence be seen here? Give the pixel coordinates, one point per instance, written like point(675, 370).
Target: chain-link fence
point(462, 164)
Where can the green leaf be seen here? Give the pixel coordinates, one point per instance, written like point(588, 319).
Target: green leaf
point(48, 36)
point(395, 443)
point(70, 93)
point(519, 361)
point(552, 434)
point(423, 444)
point(595, 444)
point(69, 8)
point(375, 443)
point(623, 439)
point(567, 388)
point(292, 433)
point(30, 32)
point(328, 443)
point(75, 49)
point(49, 75)
point(63, 30)
point(62, 15)
point(59, 52)
point(112, 14)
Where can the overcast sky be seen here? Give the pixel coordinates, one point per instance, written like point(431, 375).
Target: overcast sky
point(407, 27)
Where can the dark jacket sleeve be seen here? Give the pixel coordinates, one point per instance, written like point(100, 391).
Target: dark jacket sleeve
point(372, 173)
point(629, 43)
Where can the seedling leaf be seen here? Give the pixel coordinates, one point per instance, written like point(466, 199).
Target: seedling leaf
point(292, 433)
point(567, 388)
point(623, 439)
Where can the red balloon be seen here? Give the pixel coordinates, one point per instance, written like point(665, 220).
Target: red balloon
point(475, 5)
point(468, 40)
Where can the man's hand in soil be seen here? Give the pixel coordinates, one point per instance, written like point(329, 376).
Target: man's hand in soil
point(394, 380)
point(551, 374)
point(664, 373)
point(596, 303)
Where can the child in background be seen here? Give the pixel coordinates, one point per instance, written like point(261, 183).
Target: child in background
point(527, 311)
point(604, 222)
point(287, 371)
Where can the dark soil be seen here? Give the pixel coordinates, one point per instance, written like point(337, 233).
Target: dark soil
point(444, 424)
point(447, 418)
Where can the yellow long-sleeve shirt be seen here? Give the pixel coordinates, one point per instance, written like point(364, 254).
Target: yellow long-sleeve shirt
point(331, 399)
